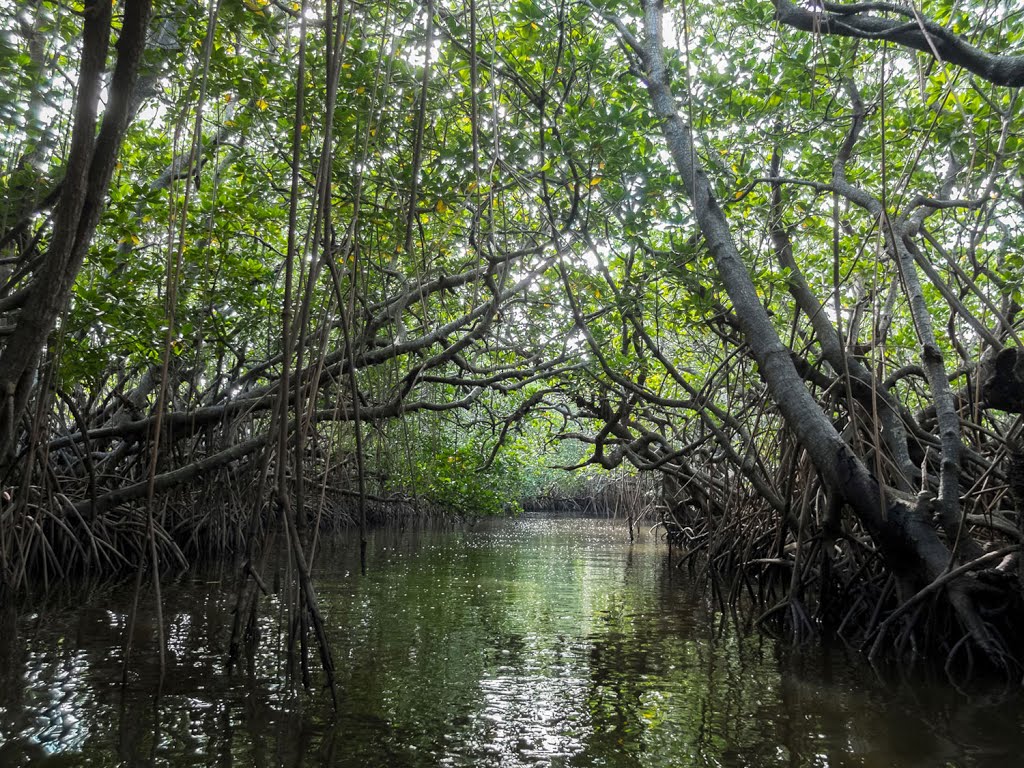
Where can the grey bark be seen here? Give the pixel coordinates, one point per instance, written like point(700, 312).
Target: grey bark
point(911, 31)
point(908, 543)
point(90, 166)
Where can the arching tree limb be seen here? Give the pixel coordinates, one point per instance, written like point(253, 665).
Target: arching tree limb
point(908, 543)
point(911, 31)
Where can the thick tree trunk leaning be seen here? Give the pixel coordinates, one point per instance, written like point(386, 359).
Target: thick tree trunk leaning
point(905, 537)
point(83, 191)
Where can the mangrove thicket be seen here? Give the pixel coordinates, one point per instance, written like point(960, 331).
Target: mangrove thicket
point(271, 267)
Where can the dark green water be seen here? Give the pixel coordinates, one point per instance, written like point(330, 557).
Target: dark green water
point(522, 643)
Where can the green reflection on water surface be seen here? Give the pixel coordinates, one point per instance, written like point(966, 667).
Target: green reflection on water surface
point(522, 643)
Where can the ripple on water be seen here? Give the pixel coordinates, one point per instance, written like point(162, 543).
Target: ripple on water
point(532, 642)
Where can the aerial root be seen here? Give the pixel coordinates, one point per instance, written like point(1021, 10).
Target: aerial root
point(842, 588)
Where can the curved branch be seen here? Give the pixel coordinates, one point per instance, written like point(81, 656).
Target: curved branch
point(903, 536)
point(919, 34)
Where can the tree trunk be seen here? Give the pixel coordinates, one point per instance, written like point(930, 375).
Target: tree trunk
point(906, 540)
point(83, 191)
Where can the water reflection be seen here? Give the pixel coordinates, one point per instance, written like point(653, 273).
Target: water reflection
point(525, 643)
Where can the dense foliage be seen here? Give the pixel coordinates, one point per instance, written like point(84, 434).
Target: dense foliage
point(304, 258)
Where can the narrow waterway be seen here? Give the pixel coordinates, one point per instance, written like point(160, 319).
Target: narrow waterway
point(521, 643)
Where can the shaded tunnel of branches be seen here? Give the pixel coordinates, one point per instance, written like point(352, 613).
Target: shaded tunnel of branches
point(270, 270)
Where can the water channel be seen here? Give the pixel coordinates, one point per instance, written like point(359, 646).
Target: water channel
point(531, 642)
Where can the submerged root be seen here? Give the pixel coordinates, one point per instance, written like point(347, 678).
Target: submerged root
point(801, 588)
point(46, 543)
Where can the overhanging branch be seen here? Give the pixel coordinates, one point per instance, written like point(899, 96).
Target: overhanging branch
point(915, 33)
